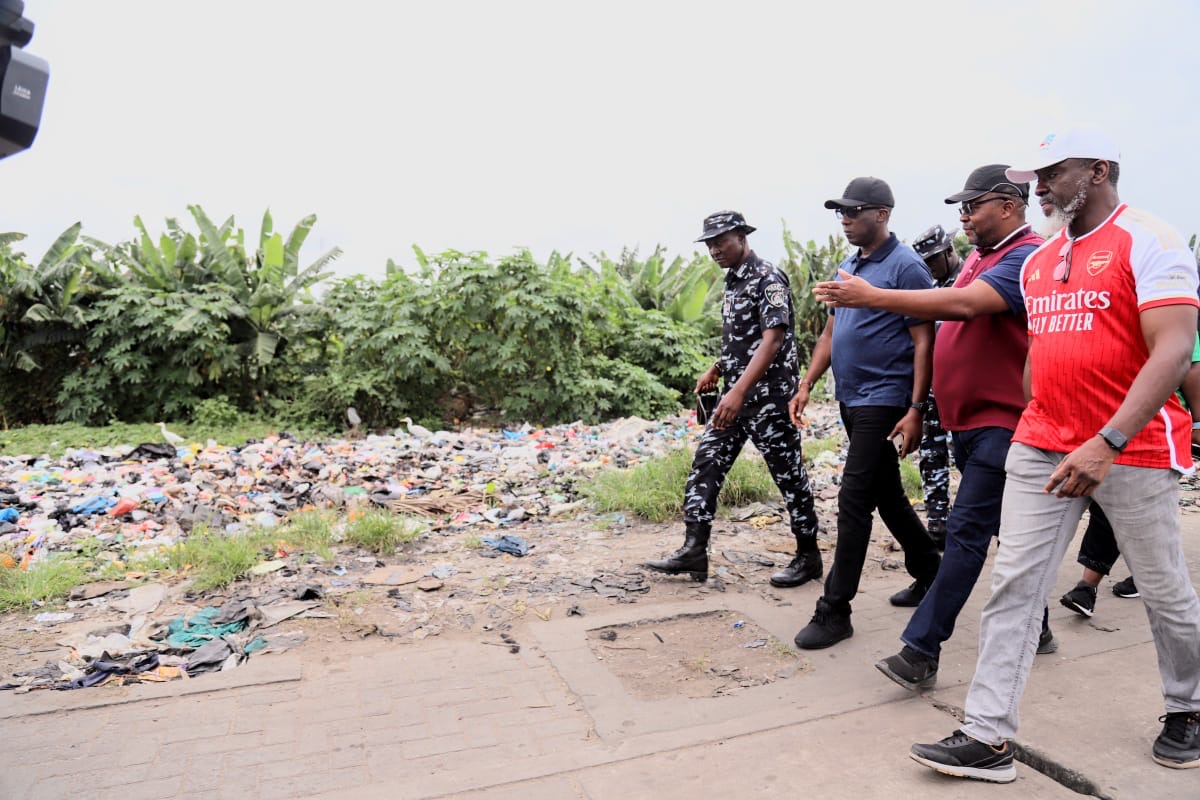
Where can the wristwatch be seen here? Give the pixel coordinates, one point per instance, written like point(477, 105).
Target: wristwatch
point(921, 407)
point(1113, 438)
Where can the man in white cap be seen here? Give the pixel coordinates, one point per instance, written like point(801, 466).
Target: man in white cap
point(1111, 303)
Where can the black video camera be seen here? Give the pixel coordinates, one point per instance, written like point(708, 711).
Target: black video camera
point(23, 79)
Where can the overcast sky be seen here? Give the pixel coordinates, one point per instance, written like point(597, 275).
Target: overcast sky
point(580, 127)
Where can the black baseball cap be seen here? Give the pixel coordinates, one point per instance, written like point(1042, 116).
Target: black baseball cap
point(864, 192)
point(989, 178)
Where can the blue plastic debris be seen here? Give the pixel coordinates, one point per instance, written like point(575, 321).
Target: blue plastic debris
point(9, 515)
point(509, 544)
point(93, 505)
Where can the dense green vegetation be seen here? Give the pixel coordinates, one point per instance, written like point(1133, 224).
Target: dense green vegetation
point(201, 326)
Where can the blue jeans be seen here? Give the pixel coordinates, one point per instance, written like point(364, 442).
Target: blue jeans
point(1037, 528)
point(974, 520)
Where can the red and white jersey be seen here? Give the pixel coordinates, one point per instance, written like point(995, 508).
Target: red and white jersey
point(1086, 344)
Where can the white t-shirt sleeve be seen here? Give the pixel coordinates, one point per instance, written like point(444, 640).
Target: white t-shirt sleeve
point(1164, 270)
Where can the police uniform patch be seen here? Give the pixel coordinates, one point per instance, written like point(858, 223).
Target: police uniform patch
point(776, 295)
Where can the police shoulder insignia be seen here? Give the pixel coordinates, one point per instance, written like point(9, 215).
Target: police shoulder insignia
point(776, 294)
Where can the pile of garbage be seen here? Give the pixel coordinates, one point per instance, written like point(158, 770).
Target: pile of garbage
point(147, 648)
point(151, 496)
point(513, 493)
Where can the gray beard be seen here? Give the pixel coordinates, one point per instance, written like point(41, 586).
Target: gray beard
point(1062, 216)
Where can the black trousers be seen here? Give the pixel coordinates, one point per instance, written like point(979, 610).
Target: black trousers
point(779, 442)
point(870, 481)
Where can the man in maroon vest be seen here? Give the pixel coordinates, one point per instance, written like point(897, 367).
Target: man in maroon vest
point(978, 362)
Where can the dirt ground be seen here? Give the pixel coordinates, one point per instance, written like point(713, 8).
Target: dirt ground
point(574, 567)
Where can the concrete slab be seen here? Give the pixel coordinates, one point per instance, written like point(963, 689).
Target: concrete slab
point(861, 754)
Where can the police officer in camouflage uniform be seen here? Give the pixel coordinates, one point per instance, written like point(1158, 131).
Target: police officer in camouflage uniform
point(759, 364)
point(936, 248)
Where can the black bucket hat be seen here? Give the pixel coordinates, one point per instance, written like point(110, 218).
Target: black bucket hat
point(722, 222)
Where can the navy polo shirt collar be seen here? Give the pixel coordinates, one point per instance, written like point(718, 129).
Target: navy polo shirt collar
point(883, 251)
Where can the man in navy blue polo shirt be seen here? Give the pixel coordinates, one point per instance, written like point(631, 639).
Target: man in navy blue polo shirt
point(882, 365)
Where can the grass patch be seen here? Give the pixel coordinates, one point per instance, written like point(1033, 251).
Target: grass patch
point(654, 490)
point(910, 477)
point(53, 440)
point(381, 532)
point(310, 532)
point(815, 447)
point(44, 582)
point(215, 560)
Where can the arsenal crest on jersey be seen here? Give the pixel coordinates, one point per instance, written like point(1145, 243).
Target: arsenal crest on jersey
point(1099, 260)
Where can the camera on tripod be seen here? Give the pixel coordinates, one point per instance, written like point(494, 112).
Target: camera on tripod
point(23, 79)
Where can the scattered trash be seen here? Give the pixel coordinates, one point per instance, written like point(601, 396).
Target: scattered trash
point(608, 635)
point(575, 611)
point(756, 643)
point(741, 623)
point(508, 544)
point(53, 617)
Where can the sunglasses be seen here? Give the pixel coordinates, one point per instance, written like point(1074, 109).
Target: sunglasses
point(1063, 271)
point(969, 208)
point(853, 212)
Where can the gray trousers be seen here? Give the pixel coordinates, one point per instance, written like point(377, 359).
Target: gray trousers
point(1036, 529)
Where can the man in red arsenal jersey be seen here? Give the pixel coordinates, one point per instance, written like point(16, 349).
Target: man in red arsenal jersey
point(1111, 306)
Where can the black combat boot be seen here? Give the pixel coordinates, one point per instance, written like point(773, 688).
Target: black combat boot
point(692, 557)
point(804, 567)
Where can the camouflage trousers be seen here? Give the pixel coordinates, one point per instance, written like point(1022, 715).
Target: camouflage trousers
point(935, 465)
point(779, 442)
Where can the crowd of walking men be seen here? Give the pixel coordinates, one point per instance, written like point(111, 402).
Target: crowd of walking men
point(1055, 367)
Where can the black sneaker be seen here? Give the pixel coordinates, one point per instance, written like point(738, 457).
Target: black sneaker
point(1126, 588)
point(1178, 746)
point(912, 670)
point(963, 757)
point(826, 629)
point(1047, 643)
point(910, 596)
point(1081, 599)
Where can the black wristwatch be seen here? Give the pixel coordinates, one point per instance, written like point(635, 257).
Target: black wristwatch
point(1113, 438)
point(921, 407)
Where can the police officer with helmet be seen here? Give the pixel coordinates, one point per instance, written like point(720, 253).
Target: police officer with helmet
point(936, 248)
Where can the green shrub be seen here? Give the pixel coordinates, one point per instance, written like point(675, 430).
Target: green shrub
point(216, 412)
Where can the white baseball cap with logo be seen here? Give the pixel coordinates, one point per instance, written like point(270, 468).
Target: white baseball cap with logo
point(1077, 143)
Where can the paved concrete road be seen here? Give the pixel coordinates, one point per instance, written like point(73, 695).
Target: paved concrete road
point(457, 718)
